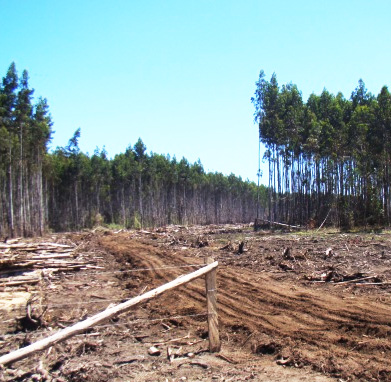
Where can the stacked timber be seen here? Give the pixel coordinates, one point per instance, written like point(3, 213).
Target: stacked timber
point(27, 263)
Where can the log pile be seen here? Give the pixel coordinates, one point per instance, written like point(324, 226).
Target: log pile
point(23, 263)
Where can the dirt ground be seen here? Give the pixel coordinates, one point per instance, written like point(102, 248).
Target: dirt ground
point(293, 306)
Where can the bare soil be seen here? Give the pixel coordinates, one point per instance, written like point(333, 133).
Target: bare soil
point(301, 306)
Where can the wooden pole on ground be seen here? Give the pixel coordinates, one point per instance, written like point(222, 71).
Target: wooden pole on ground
point(213, 322)
point(81, 326)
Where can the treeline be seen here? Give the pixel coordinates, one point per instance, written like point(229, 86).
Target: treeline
point(136, 189)
point(327, 157)
point(69, 190)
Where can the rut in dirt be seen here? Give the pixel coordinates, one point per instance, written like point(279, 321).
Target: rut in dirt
point(339, 335)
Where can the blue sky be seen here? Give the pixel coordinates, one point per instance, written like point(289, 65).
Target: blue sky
point(180, 74)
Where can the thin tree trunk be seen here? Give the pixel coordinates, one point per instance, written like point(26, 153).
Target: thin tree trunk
point(76, 203)
point(140, 199)
point(22, 226)
point(10, 196)
point(41, 198)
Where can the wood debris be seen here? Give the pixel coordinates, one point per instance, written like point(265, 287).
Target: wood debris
point(129, 360)
point(174, 352)
point(227, 359)
point(195, 363)
point(24, 263)
point(337, 278)
point(175, 341)
point(228, 247)
point(329, 252)
point(287, 254)
point(153, 350)
point(241, 248)
point(285, 267)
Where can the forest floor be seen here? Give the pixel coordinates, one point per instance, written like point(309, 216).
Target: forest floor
point(294, 306)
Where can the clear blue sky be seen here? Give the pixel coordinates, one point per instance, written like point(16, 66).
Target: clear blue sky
point(180, 74)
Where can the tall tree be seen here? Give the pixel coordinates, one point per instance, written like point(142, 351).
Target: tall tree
point(7, 117)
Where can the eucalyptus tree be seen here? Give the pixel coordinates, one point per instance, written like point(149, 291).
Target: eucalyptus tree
point(41, 131)
point(267, 115)
point(23, 121)
point(140, 157)
point(122, 174)
point(383, 138)
point(100, 184)
point(8, 141)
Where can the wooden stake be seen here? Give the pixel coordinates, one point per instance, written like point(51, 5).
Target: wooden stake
point(213, 322)
point(81, 326)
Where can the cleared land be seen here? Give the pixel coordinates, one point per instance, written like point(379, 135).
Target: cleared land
point(293, 306)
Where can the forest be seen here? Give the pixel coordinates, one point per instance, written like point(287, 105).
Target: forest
point(67, 189)
point(329, 159)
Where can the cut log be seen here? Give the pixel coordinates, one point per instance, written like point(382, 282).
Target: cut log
point(21, 282)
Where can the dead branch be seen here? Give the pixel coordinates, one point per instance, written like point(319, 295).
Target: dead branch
point(356, 280)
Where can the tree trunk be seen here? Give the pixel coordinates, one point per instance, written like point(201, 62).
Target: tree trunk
point(10, 196)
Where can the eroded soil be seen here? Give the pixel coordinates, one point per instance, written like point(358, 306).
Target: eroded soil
point(293, 306)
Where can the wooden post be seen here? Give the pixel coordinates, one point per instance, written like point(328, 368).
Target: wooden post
point(213, 323)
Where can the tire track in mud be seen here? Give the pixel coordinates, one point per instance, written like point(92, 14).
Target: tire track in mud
point(335, 334)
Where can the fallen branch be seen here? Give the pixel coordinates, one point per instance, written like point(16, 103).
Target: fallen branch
point(283, 224)
point(324, 221)
point(194, 363)
point(174, 340)
point(366, 284)
point(129, 360)
point(227, 359)
point(356, 280)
